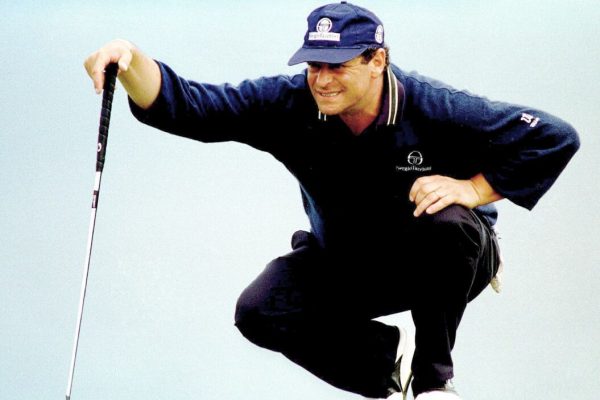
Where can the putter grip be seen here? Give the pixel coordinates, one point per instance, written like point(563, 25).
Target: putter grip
point(110, 76)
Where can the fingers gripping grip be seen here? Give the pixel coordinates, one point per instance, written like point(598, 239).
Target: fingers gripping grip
point(110, 76)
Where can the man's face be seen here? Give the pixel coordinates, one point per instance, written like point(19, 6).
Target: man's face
point(341, 89)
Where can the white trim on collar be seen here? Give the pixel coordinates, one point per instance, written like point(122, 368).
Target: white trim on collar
point(392, 97)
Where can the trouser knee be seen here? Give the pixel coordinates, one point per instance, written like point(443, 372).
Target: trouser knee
point(272, 309)
point(451, 248)
point(453, 219)
point(455, 229)
point(255, 325)
point(255, 328)
point(268, 311)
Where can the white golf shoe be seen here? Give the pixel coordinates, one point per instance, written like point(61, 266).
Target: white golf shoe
point(445, 393)
point(397, 396)
point(402, 373)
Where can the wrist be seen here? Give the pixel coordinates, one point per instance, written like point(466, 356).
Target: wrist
point(484, 192)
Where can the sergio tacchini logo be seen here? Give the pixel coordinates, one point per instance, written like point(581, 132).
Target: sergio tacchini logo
point(323, 31)
point(415, 160)
point(324, 25)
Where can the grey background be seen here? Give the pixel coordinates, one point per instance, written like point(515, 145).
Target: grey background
point(183, 227)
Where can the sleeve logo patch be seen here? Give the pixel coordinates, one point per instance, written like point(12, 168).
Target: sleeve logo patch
point(530, 119)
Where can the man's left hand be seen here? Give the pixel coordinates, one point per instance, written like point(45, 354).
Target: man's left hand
point(436, 192)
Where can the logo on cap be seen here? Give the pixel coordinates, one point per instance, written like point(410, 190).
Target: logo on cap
point(379, 34)
point(324, 25)
point(323, 31)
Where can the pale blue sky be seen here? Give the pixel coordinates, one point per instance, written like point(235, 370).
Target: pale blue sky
point(183, 227)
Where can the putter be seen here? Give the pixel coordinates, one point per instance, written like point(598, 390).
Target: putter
point(109, 89)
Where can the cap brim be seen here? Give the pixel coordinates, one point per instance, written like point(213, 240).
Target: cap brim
point(325, 55)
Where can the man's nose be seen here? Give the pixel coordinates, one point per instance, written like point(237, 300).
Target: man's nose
point(324, 76)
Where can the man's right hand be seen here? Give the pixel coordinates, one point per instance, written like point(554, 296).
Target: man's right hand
point(118, 51)
point(139, 74)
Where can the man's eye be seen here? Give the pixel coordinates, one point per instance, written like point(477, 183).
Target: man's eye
point(317, 65)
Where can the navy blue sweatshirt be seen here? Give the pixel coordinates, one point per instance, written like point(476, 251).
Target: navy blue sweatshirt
point(357, 186)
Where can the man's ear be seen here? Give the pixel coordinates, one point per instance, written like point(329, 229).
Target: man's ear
point(377, 63)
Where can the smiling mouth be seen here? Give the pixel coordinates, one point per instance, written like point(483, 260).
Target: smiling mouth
point(328, 94)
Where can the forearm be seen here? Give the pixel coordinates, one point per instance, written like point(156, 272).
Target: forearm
point(142, 79)
point(484, 190)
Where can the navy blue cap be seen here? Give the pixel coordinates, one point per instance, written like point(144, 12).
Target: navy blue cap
point(337, 33)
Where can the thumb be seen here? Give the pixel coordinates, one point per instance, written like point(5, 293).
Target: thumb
point(125, 61)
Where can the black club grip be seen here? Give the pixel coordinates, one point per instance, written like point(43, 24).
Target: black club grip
point(110, 76)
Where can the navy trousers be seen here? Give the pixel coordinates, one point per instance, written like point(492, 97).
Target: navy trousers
point(317, 307)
